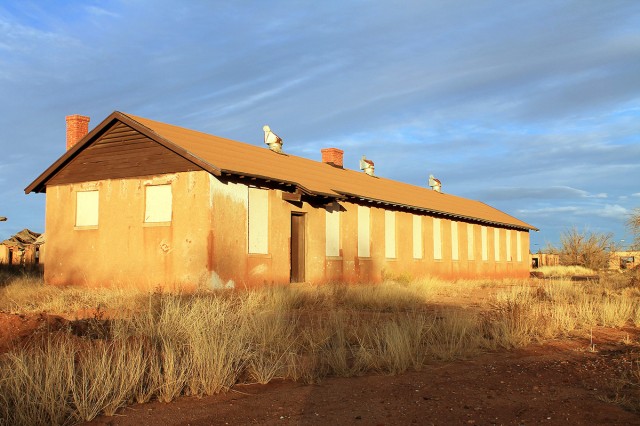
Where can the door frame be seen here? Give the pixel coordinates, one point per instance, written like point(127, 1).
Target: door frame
point(297, 248)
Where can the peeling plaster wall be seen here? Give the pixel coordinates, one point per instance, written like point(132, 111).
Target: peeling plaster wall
point(123, 250)
point(206, 243)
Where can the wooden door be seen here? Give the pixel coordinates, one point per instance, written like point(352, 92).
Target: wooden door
point(297, 247)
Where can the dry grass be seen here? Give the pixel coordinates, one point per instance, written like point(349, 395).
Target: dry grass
point(28, 294)
point(204, 343)
point(562, 271)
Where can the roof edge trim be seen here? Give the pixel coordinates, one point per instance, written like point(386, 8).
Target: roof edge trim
point(468, 218)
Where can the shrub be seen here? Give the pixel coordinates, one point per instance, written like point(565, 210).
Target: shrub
point(591, 250)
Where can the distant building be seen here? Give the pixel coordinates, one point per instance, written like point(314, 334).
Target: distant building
point(139, 202)
point(23, 249)
point(624, 260)
point(544, 259)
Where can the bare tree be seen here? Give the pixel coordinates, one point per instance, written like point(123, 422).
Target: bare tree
point(633, 223)
point(591, 250)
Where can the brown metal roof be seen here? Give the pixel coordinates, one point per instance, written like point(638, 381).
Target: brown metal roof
point(219, 155)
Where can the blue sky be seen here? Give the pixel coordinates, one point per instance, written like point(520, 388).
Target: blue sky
point(532, 107)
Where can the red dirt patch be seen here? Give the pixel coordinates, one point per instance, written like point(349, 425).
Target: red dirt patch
point(15, 329)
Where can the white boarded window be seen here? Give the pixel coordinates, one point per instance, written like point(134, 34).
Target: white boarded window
point(496, 243)
point(417, 237)
point(485, 248)
point(364, 219)
point(258, 221)
point(332, 222)
point(437, 239)
point(470, 242)
point(518, 247)
point(455, 251)
point(389, 234)
point(158, 200)
point(509, 245)
point(87, 208)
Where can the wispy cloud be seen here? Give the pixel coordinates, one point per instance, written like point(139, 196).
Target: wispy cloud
point(100, 12)
point(541, 193)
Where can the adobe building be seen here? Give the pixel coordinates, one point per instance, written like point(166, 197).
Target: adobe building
point(136, 202)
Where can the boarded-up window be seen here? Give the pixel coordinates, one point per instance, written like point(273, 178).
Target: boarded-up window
point(508, 245)
point(389, 234)
point(485, 248)
point(496, 243)
point(417, 237)
point(158, 201)
point(364, 217)
point(518, 247)
point(455, 251)
point(258, 221)
point(437, 239)
point(470, 242)
point(87, 208)
point(332, 234)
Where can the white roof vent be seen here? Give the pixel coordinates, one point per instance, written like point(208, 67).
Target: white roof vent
point(273, 140)
point(435, 184)
point(366, 165)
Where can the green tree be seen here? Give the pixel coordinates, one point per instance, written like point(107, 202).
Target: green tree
point(588, 249)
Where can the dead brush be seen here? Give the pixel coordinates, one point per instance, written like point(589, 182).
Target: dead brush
point(106, 376)
point(36, 383)
point(453, 334)
point(180, 344)
point(273, 340)
point(398, 343)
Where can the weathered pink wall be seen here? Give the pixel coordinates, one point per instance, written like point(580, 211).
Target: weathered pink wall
point(206, 242)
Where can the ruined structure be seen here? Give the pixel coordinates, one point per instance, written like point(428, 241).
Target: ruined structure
point(23, 249)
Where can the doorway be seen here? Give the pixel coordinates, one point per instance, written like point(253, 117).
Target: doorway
point(297, 247)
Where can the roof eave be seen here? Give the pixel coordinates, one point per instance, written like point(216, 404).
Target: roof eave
point(440, 212)
point(303, 189)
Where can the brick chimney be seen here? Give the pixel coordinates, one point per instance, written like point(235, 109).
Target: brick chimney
point(332, 156)
point(77, 128)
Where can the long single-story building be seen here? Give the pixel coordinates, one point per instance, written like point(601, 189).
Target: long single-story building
point(144, 203)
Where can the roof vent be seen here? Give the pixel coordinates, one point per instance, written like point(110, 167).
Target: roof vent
point(435, 184)
point(273, 140)
point(366, 165)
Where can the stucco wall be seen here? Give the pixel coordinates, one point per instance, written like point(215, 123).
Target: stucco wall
point(206, 243)
point(123, 250)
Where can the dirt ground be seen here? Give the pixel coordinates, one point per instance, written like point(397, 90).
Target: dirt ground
point(559, 382)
